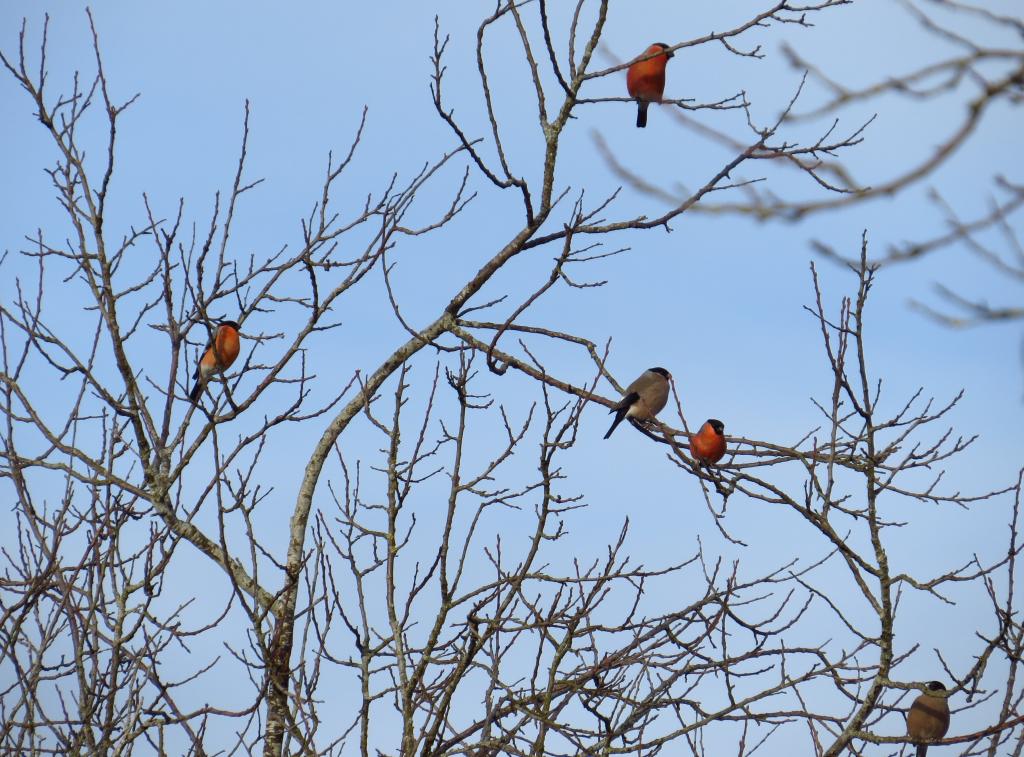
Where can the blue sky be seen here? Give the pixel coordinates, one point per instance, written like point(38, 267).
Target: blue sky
point(718, 300)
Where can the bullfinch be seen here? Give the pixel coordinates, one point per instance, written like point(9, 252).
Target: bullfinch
point(219, 355)
point(708, 445)
point(645, 80)
point(644, 398)
point(928, 717)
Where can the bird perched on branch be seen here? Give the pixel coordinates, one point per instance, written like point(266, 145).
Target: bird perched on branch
point(645, 80)
point(644, 398)
point(928, 717)
point(708, 445)
point(220, 353)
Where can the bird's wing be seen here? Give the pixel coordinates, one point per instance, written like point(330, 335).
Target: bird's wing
point(626, 402)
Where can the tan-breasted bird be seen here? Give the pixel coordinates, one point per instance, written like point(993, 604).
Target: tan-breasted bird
point(644, 398)
point(928, 717)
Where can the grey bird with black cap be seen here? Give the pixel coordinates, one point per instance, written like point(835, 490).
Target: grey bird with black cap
point(644, 398)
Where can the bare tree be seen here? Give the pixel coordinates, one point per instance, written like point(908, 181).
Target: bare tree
point(414, 592)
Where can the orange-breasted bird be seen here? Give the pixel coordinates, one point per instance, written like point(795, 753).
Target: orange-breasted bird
point(645, 80)
point(928, 717)
point(644, 398)
point(219, 355)
point(708, 445)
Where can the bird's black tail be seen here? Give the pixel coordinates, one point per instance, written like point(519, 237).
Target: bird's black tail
point(620, 413)
point(641, 114)
point(922, 750)
point(197, 390)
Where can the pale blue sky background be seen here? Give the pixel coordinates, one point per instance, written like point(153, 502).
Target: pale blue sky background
point(717, 301)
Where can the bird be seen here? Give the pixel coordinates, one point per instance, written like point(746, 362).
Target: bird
point(708, 445)
point(928, 717)
point(645, 80)
point(644, 398)
point(220, 353)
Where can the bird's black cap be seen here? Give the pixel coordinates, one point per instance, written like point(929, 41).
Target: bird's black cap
point(717, 425)
point(232, 324)
point(661, 372)
point(935, 686)
point(663, 46)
